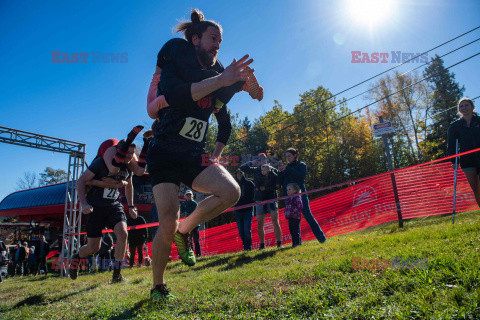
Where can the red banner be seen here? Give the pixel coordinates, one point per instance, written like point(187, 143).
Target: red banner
point(422, 191)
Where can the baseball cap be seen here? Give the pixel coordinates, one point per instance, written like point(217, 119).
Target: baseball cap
point(189, 192)
point(262, 155)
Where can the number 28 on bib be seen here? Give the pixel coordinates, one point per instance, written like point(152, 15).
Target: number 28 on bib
point(194, 129)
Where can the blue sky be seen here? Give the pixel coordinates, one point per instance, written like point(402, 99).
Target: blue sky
point(297, 45)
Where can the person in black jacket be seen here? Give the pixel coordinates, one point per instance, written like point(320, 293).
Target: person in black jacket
point(244, 216)
point(267, 183)
point(295, 172)
point(467, 131)
point(136, 239)
point(41, 252)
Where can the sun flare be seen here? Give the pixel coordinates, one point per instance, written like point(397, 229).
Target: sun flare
point(369, 12)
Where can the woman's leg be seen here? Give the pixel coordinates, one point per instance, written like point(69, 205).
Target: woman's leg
point(261, 231)
point(276, 225)
point(317, 231)
point(247, 230)
point(473, 180)
point(240, 226)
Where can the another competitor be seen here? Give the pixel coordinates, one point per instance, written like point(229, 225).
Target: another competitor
point(103, 209)
point(175, 153)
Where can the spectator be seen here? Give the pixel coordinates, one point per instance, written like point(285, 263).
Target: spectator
point(293, 213)
point(244, 216)
point(254, 168)
point(25, 262)
point(186, 208)
point(467, 131)
point(105, 252)
point(3, 247)
point(19, 259)
point(136, 239)
point(267, 182)
point(295, 172)
point(41, 252)
point(32, 261)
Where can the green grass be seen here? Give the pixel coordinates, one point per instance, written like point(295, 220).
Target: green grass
point(311, 281)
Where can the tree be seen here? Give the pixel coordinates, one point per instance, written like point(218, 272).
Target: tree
point(29, 180)
point(52, 176)
point(446, 94)
point(407, 110)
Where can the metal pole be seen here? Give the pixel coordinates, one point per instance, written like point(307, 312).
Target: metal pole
point(455, 182)
point(392, 176)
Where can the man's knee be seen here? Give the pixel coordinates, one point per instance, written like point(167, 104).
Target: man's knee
point(231, 194)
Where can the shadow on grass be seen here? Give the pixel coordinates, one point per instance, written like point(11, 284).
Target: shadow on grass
point(233, 262)
point(39, 299)
point(127, 314)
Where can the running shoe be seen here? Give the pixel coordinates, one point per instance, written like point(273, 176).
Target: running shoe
point(185, 248)
point(161, 293)
point(73, 268)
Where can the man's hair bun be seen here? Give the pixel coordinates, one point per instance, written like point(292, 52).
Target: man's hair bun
point(197, 16)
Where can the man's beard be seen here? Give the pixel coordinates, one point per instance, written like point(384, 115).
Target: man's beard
point(205, 58)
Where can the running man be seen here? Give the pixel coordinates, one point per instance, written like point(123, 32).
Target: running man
point(175, 152)
point(103, 208)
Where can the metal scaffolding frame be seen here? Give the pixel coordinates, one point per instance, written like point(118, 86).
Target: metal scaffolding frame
point(72, 217)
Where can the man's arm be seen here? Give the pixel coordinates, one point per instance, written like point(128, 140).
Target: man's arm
point(81, 182)
point(106, 183)
point(179, 93)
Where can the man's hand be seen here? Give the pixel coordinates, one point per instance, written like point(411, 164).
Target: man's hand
point(282, 168)
point(86, 208)
point(236, 71)
point(133, 212)
point(262, 188)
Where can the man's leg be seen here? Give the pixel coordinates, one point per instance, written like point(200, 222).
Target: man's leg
point(166, 201)
point(260, 229)
point(92, 246)
point(131, 248)
point(140, 253)
point(276, 226)
point(120, 231)
point(225, 193)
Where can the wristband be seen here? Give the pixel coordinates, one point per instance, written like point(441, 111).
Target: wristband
point(132, 207)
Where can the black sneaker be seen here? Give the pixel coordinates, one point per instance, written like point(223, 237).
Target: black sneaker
point(73, 268)
point(161, 293)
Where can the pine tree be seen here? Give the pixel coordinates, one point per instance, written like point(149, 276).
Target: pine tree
point(446, 94)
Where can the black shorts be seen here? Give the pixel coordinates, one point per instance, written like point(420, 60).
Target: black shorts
point(170, 166)
point(102, 217)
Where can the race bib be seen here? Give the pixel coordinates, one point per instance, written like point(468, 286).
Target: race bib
point(194, 129)
point(110, 194)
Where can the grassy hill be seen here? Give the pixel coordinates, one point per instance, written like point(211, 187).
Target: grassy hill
point(428, 269)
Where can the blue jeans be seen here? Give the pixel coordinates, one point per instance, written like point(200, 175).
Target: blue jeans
point(317, 231)
point(244, 224)
point(294, 227)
